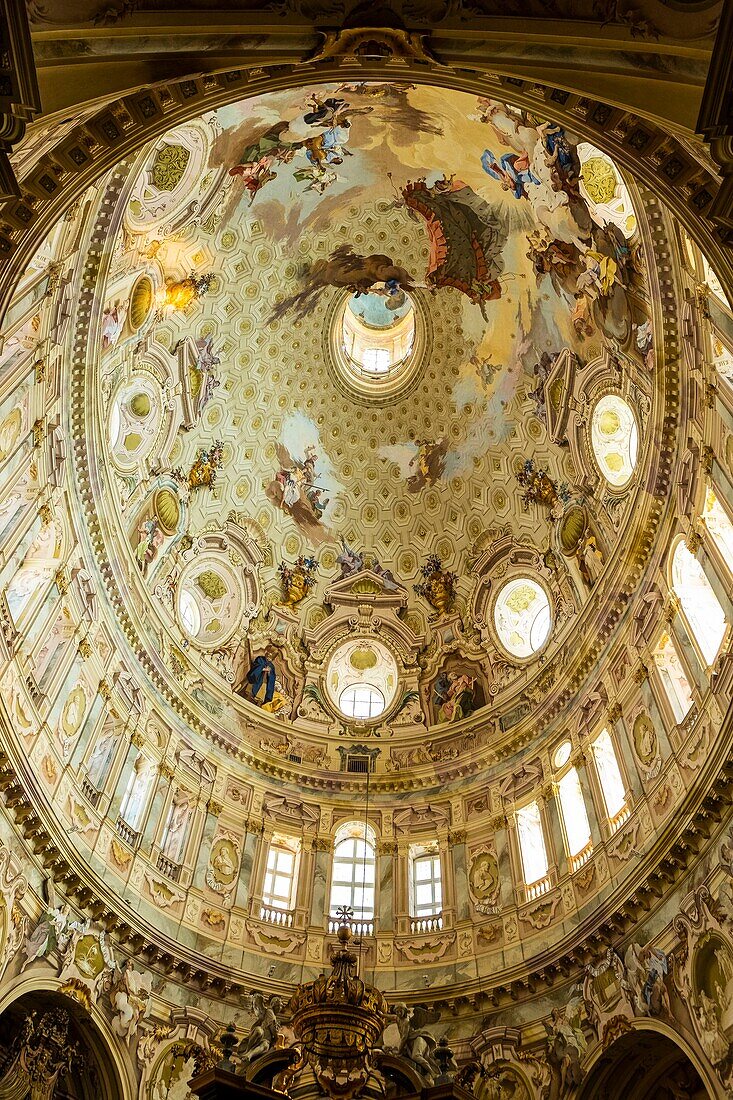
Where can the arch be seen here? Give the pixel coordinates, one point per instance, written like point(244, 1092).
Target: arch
point(614, 1067)
point(353, 870)
point(41, 992)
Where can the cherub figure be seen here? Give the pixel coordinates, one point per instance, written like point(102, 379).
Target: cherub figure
point(263, 1034)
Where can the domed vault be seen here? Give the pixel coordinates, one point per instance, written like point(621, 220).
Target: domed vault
point(355, 554)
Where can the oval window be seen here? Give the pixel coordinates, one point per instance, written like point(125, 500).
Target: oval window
point(562, 754)
point(361, 701)
point(614, 438)
point(522, 617)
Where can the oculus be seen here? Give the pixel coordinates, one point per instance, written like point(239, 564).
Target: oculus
point(522, 617)
point(615, 439)
point(362, 679)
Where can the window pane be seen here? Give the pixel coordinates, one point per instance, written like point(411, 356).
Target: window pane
point(672, 675)
point(353, 873)
point(574, 815)
point(719, 525)
point(609, 775)
point(531, 843)
point(699, 602)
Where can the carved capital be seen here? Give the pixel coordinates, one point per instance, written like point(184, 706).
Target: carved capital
point(105, 690)
point(39, 431)
point(137, 739)
point(707, 459)
point(640, 673)
point(614, 712)
point(165, 770)
point(213, 807)
point(85, 649)
point(387, 847)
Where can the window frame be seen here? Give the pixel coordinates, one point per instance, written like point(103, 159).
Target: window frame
point(355, 832)
point(705, 664)
point(418, 854)
point(561, 775)
point(662, 695)
point(277, 846)
point(612, 822)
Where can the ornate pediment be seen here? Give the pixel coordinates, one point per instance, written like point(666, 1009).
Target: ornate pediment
point(368, 586)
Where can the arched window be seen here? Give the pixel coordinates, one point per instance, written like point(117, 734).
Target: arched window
point(610, 779)
point(278, 889)
point(353, 872)
point(672, 675)
point(532, 850)
point(522, 617)
point(426, 885)
point(700, 605)
point(719, 525)
point(576, 826)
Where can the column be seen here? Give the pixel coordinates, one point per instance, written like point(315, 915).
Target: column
point(213, 809)
point(386, 852)
point(551, 818)
point(456, 854)
point(580, 763)
point(246, 869)
point(321, 864)
point(90, 726)
point(500, 827)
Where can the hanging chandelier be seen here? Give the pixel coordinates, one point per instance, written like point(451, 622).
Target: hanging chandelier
point(338, 1019)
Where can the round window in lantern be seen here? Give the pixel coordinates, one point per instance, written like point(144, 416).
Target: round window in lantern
point(362, 679)
point(378, 331)
point(522, 617)
point(615, 439)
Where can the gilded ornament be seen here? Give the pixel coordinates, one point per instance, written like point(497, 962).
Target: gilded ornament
point(296, 580)
point(169, 166)
point(338, 1019)
point(438, 585)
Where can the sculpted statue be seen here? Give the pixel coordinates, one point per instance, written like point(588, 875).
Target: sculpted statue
point(52, 933)
point(643, 983)
point(712, 1037)
point(130, 996)
point(409, 1037)
point(263, 1034)
point(566, 1043)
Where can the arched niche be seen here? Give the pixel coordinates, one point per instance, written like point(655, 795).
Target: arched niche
point(103, 1067)
point(642, 1061)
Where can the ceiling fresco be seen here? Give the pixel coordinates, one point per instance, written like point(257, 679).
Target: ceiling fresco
point(504, 251)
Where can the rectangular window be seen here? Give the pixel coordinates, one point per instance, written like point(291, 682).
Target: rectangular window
point(353, 876)
point(427, 888)
point(574, 814)
point(279, 886)
point(675, 683)
point(532, 843)
point(609, 775)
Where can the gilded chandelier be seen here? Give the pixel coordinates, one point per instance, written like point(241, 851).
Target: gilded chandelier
point(338, 1018)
